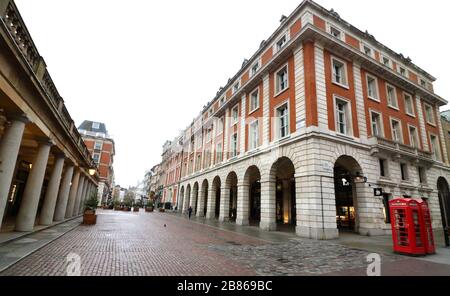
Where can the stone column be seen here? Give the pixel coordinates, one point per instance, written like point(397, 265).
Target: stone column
point(186, 201)
point(73, 193)
point(201, 203)
point(78, 205)
point(63, 196)
point(9, 150)
point(268, 204)
point(48, 208)
point(30, 201)
point(243, 202)
point(224, 214)
point(211, 207)
point(78, 196)
point(193, 201)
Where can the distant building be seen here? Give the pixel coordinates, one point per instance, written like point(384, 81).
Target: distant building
point(102, 148)
point(445, 121)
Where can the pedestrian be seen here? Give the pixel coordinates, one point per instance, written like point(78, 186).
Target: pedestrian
point(190, 212)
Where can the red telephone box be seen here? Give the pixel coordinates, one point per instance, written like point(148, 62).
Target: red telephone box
point(408, 231)
point(426, 217)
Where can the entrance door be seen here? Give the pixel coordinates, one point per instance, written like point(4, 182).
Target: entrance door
point(217, 202)
point(345, 209)
point(444, 203)
point(255, 202)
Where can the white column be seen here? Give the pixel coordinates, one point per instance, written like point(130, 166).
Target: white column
point(194, 198)
point(423, 131)
point(243, 126)
point(226, 149)
point(63, 196)
point(201, 203)
point(186, 201)
point(9, 150)
point(360, 105)
point(268, 204)
point(77, 209)
point(28, 208)
point(322, 110)
point(73, 193)
point(211, 207)
point(266, 110)
point(300, 96)
point(48, 208)
point(224, 214)
point(78, 196)
point(242, 215)
point(441, 136)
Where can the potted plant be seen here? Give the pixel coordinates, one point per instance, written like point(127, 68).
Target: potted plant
point(117, 205)
point(128, 202)
point(149, 207)
point(136, 206)
point(90, 205)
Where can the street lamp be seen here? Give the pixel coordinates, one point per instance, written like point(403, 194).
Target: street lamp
point(92, 171)
point(359, 178)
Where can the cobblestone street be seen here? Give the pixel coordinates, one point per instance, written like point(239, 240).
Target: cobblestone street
point(139, 244)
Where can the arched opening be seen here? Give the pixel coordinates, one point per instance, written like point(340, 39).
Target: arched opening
point(444, 203)
point(187, 199)
point(204, 197)
point(181, 200)
point(252, 181)
point(283, 171)
point(216, 184)
point(346, 169)
point(231, 187)
point(195, 199)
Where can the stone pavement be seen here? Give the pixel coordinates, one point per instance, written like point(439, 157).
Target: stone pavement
point(127, 243)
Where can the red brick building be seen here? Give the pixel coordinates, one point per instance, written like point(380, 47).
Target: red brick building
point(101, 146)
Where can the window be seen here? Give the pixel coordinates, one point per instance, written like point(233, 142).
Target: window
point(383, 167)
point(199, 141)
point(339, 72)
point(377, 124)
point(423, 83)
point(253, 135)
point(96, 157)
point(283, 121)
point(198, 164)
point(386, 61)
point(409, 107)
point(222, 101)
point(343, 117)
point(254, 100)
point(435, 149)
point(220, 126)
point(98, 145)
point(402, 71)
point(422, 175)
point(404, 171)
point(208, 135)
point(367, 50)
point(235, 114)
point(387, 209)
point(335, 32)
point(396, 131)
point(95, 125)
point(413, 137)
point(391, 96)
point(429, 114)
point(219, 154)
point(234, 144)
point(281, 42)
point(281, 79)
point(210, 112)
point(372, 87)
point(235, 87)
point(254, 69)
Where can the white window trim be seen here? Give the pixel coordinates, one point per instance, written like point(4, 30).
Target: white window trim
point(231, 145)
point(406, 172)
point(372, 51)
point(395, 95)
point(406, 70)
point(432, 112)
point(219, 132)
point(391, 119)
point(250, 100)
point(381, 122)
point(405, 94)
point(96, 125)
point(350, 116)
point(345, 72)
point(235, 121)
point(275, 80)
point(233, 90)
point(277, 127)
point(416, 135)
point(250, 148)
point(101, 145)
point(382, 56)
point(222, 101)
point(216, 153)
point(376, 87)
point(438, 144)
point(258, 62)
point(276, 49)
point(328, 28)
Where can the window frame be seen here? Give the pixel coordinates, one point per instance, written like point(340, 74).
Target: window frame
point(363, 50)
point(235, 120)
point(385, 162)
point(348, 115)
point(416, 134)
point(233, 152)
point(279, 47)
point(277, 125)
point(395, 96)
point(221, 124)
point(371, 111)
point(404, 172)
point(392, 119)
point(254, 71)
point(252, 140)
point(433, 123)
point(99, 156)
point(218, 152)
point(251, 110)
point(377, 99)
point(330, 27)
point(438, 147)
point(382, 57)
point(95, 125)
point(95, 145)
point(333, 76)
point(235, 87)
point(276, 87)
point(413, 114)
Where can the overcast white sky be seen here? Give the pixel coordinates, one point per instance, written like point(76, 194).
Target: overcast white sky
point(146, 68)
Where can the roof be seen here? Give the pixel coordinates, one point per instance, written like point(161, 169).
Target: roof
point(93, 126)
point(446, 115)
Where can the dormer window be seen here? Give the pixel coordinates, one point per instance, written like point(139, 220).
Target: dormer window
point(402, 71)
point(254, 69)
point(281, 42)
point(335, 32)
point(95, 125)
point(423, 83)
point(367, 51)
point(222, 101)
point(235, 87)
